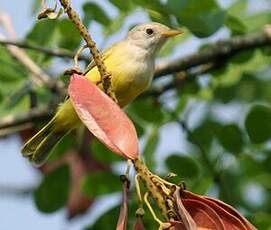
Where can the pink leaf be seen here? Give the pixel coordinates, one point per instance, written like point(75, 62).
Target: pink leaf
point(123, 217)
point(103, 117)
point(139, 223)
point(187, 220)
point(203, 215)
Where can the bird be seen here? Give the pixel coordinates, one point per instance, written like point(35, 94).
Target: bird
point(130, 62)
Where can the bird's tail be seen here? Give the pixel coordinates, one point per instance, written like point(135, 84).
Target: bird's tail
point(37, 149)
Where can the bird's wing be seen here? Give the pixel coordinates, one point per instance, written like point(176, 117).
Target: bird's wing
point(104, 56)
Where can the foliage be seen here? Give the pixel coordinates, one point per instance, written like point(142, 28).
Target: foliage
point(227, 142)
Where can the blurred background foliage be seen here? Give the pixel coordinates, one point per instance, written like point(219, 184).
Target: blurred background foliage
point(224, 114)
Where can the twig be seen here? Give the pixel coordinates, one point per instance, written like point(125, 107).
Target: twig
point(62, 53)
point(6, 190)
point(180, 79)
point(219, 50)
point(27, 118)
point(105, 75)
point(202, 151)
point(39, 76)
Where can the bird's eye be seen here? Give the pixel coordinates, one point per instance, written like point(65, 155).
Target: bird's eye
point(149, 31)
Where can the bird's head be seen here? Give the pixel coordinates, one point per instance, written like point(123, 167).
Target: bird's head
point(151, 36)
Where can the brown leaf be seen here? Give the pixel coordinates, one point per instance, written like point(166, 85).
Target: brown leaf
point(139, 223)
point(229, 217)
point(232, 211)
point(203, 215)
point(103, 117)
point(123, 217)
point(187, 220)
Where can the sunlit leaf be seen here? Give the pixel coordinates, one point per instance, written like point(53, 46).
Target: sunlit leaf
point(93, 11)
point(147, 109)
point(235, 25)
point(183, 166)
point(110, 125)
point(66, 28)
point(100, 183)
point(202, 18)
point(122, 5)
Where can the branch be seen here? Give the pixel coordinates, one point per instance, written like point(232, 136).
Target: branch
point(219, 50)
point(12, 123)
point(6, 190)
point(180, 79)
point(105, 75)
point(62, 53)
point(39, 76)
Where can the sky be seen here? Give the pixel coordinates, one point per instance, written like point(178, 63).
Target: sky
point(20, 212)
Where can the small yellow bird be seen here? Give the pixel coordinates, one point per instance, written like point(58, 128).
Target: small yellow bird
point(131, 64)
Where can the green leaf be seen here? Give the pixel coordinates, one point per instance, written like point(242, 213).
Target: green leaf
point(184, 166)
point(100, 183)
point(262, 220)
point(107, 221)
point(202, 18)
point(201, 186)
point(234, 72)
point(205, 133)
point(160, 17)
point(93, 11)
point(43, 32)
point(236, 14)
point(11, 70)
point(235, 25)
point(231, 190)
point(256, 22)
point(248, 88)
point(67, 143)
point(231, 138)
point(69, 36)
point(156, 10)
point(155, 5)
point(238, 8)
point(147, 109)
point(122, 5)
point(150, 148)
point(258, 124)
point(115, 25)
point(53, 192)
point(250, 167)
point(171, 45)
point(189, 88)
point(103, 154)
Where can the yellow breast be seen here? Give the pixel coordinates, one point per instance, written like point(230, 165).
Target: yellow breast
point(131, 72)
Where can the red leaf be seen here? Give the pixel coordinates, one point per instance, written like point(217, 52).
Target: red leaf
point(123, 217)
point(231, 220)
point(187, 220)
point(139, 223)
point(203, 215)
point(232, 211)
point(103, 117)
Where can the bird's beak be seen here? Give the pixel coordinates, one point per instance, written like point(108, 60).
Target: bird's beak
point(171, 33)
